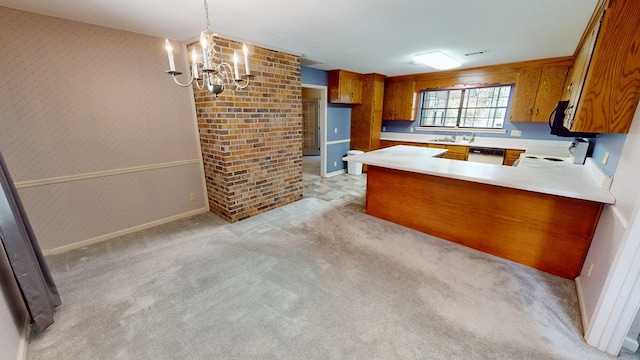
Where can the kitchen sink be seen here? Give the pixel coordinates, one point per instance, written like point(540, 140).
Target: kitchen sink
point(453, 139)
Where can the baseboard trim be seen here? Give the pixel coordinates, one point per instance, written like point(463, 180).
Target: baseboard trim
point(583, 311)
point(630, 344)
point(22, 346)
point(101, 238)
point(336, 173)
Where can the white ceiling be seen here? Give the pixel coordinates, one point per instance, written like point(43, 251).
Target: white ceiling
point(359, 35)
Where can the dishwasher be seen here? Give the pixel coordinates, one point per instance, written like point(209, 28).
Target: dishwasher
point(486, 155)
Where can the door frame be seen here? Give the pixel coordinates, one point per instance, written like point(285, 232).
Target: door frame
point(322, 120)
point(620, 298)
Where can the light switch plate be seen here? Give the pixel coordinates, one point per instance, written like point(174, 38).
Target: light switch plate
point(605, 158)
point(516, 132)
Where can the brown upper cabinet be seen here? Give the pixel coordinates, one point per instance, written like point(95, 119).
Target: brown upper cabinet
point(539, 85)
point(366, 118)
point(399, 100)
point(345, 87)
point(604, 86)
point(536, 93)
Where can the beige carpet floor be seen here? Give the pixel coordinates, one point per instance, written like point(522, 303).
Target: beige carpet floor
point(317, 279)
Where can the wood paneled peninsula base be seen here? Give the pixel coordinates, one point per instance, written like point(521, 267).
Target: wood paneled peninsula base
point(548, 232)
point(540, 214)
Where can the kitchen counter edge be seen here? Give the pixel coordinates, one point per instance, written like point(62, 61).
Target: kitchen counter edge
point(573, 181)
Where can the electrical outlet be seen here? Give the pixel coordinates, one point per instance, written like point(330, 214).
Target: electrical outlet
point(589, 270)
point(412, 129)
point(516, 132)
point(384, 128)
point(605, 158)
point(335, 163)
point(335, 130)
point(192, 196)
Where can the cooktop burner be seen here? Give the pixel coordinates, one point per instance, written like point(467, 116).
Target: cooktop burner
point(547, 157)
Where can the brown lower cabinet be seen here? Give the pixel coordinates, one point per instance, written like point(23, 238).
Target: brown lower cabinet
point(510, 156)
point(533, 229)
point(454, 152)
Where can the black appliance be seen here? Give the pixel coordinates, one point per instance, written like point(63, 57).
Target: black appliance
point(557, 127)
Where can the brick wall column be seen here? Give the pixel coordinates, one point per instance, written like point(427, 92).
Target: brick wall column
point(251, 139)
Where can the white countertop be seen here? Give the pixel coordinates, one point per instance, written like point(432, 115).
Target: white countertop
point(561, 179)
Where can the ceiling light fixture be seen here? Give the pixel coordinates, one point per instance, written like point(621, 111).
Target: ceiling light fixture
point(437, 60)
point(211, 70)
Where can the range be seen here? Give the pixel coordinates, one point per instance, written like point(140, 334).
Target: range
point(575, 154)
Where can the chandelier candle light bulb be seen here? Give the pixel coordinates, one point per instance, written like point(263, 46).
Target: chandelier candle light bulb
point(235, 65)
point(204, 44)
point(172, 63)
point(245, 52)
point(194, 64)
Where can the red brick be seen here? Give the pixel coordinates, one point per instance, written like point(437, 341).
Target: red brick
point(251, 139)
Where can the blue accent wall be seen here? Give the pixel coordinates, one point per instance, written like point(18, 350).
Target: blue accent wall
point(613, 143)
point(335, 153)
point(314, 76)
point(338, 119)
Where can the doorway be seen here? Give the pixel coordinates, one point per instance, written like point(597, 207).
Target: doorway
point(310, 127)
point(315, 94)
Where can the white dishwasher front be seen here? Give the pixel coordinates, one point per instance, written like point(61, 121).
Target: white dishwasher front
point(486, 155)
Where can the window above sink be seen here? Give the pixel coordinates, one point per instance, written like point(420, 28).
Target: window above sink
point(469, 108)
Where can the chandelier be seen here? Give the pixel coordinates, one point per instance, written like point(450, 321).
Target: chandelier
point(211, 71)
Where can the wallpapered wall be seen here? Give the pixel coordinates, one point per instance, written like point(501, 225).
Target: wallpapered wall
point(97, 138)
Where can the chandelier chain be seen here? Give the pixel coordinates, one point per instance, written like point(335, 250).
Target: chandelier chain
point(206, 14)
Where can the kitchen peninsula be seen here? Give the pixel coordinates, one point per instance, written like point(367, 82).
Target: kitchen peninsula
point(543, 217)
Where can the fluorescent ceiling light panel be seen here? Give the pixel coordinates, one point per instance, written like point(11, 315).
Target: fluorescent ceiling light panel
point(437, 60)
